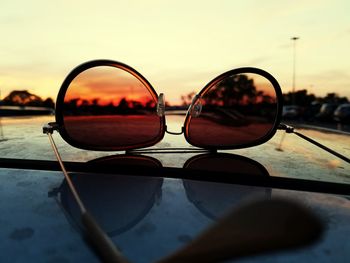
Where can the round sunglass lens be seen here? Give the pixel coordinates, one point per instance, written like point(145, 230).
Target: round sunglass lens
point(110, 108)
point(237, 111)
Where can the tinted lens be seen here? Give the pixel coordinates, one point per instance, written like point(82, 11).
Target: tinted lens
point(238, 110)
point(110, 108)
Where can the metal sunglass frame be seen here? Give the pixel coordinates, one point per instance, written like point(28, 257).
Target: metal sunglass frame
point(59, 124)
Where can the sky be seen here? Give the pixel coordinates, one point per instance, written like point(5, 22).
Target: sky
point(179, 46)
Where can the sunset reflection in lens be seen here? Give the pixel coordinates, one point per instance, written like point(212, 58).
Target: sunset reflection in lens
point(237, 110)
point(109, 108)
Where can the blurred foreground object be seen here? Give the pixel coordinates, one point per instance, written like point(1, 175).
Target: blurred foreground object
point(257, 227)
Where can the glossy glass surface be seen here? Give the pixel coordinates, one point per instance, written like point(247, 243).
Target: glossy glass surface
point(107, 107)
point(237, 110)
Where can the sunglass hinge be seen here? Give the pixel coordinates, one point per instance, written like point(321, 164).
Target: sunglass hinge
point(161, 105)
point(50, 127)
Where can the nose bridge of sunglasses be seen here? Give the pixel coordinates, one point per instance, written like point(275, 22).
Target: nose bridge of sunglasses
point(161, 113)
point(194, 111)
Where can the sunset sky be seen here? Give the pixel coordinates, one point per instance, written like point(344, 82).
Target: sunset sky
point(178, 46)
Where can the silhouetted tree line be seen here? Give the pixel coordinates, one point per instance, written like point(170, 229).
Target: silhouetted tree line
point(239, 90)
point(236, 94)
point(25, 98)
point(302, 98)
point(232, 91)
point(236, 90)
point(79, 106)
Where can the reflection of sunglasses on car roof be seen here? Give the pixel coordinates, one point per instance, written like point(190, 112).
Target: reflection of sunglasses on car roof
point(119, 202)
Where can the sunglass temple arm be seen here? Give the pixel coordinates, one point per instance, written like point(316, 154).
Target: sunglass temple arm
point(101, 242)
point(290, 129)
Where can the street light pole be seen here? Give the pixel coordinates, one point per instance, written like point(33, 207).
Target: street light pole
point(294, 39)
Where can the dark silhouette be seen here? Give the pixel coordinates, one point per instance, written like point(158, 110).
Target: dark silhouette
point(334, 98)
point(234, 97)
point(302, 98)
point(24, 103)
point(25, 98)
point(308, 107)
point(49, 103)
point(239, 92)
point(78, 106)
point(232, 91)
point(236, 89)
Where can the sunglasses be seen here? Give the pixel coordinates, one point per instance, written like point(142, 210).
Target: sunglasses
point(106, 105)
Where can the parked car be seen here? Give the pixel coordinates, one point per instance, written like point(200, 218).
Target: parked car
point(342, 113)
point(291, 112)
point(326, 112)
